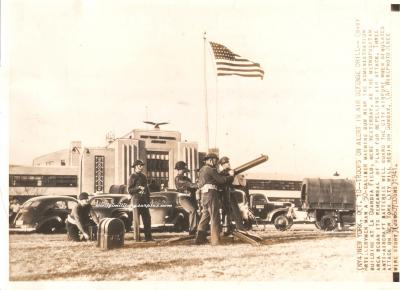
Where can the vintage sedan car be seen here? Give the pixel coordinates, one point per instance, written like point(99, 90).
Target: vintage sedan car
point(44, 214)
point(165, 210)
point(113, 205)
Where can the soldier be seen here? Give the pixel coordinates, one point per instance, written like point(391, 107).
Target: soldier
point(209, 179)
point(140, 200)
point(229, 201)
point(79, 219)
point(184, 185)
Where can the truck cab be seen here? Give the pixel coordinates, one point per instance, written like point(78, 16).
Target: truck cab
point(266, 211)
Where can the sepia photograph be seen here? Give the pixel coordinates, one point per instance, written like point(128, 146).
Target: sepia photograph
point(157, 143)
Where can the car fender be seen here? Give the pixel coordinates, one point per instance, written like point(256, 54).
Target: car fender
point(51, 218)
point(275, 212)
point(121, 214)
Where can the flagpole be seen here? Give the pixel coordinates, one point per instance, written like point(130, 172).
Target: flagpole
point(205, 94)
point(216, 111)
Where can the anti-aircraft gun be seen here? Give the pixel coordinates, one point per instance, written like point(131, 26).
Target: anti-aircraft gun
point(253, 163)
point(242, 235)
point(231, 212)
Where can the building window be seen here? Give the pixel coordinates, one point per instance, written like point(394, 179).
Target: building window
point(16, 180)
point(157, 166)
point(62, 162)
point(99, 173)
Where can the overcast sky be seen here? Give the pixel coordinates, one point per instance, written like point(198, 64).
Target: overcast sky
point(82, 68)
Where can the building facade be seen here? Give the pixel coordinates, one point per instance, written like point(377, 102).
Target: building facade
point(94, 169)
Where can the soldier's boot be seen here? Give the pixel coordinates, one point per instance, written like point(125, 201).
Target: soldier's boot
point(148, 237)
point(201, 237)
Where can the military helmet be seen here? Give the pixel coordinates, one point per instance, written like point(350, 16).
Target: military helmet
point(180, 165)
point(137, 162)
point(223, 160)
point(211, 156)
point(83, 195)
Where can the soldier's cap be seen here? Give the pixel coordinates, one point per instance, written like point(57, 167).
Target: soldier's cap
point(223, 160)
point(83, 195)
point(211, 156)
point(137, 162)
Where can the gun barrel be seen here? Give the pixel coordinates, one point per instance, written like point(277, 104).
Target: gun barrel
point(251, 164)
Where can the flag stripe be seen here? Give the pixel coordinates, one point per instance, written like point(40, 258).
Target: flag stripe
point(237, 64)
point(239, 70)
point(237, 74)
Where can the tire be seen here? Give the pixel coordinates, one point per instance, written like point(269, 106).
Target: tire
point(181, 224)
point(282, 223)
point(127, 223)
point(328, 223)
point(50, 227)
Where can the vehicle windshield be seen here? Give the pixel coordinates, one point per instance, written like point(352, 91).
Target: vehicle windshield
point(158, 201)
point(31, 204)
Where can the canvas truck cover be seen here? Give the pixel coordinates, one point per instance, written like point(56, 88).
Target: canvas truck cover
point(335, 194)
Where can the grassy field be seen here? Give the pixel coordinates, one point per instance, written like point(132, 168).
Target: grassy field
point(52, 257)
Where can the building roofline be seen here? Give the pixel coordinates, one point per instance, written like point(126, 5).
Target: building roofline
point(61, 150)
point(148, 130)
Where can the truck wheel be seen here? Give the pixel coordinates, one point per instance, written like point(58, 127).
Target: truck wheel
point(328, 223)
point(282, 223)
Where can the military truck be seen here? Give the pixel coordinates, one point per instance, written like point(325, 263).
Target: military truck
point(264, 211)
point(329, 202)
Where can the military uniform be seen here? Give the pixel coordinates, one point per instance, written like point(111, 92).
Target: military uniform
point(184, 185)
point(230, 205)
point(140, 201)
point(209, 180)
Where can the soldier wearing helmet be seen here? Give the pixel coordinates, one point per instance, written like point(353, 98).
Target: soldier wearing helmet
point(184, 185)
point(209, 180)
point(139, 191)
point(230, 206)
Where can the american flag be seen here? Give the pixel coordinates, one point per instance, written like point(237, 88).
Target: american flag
point(230, 63)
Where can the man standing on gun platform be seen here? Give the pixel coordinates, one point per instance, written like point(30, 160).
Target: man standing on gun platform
point(209, 179)
point(140, 199)
point(184, 185)
point(229, 202)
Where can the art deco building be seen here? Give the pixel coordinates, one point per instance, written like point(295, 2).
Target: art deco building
point(95, 169)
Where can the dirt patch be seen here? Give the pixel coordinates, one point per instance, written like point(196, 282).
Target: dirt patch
point(286, 256)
